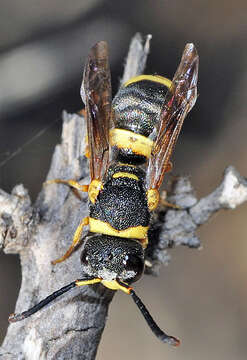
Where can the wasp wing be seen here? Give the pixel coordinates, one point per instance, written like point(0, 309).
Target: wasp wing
point(179, 101)
point(97, 97)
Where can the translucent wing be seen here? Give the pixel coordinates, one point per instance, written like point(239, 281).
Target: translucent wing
point(179, 101)
point(97, 97)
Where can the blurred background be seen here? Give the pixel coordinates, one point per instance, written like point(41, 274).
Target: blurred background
point(201, 297)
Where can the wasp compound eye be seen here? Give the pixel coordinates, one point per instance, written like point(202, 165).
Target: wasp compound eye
point(135, 265)
point(84, 257)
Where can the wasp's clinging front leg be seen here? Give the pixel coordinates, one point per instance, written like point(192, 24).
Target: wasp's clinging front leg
point(76, 240)
point(76, 187)
point(72, 183)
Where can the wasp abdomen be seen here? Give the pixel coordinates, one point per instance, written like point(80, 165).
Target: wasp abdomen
point(137, 107)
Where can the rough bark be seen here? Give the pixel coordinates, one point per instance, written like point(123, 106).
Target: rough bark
point(71, 327)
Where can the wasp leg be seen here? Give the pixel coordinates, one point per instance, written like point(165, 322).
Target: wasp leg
point(165, 203)
point(148, 263)
point(82, 113)
point(87, 152)
point(76, 240)
point(76, 187)
point(144, 242)
point(72, 183)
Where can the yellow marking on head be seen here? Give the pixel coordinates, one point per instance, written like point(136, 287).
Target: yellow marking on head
point(114, 285)
point(102, 227)
point(94, 189)
point(125, 174)
point(153, 197)
point(125, 139)
point(156, 78)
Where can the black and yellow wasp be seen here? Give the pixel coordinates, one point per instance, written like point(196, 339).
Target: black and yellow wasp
point(130, 142)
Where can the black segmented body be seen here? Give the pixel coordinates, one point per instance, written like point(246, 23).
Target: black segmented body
point(137, 106)
point(122, 202)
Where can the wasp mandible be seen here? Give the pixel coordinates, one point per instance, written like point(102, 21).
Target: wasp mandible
point(130, 142)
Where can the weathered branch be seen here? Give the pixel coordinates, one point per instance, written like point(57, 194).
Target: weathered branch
point(178, 226)
point(71, 327)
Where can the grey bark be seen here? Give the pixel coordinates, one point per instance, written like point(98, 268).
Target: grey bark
point(71, 327)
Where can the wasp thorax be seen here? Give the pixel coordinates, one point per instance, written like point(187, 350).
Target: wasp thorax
point(110, 258)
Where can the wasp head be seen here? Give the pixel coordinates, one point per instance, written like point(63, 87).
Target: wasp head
point(111, 258)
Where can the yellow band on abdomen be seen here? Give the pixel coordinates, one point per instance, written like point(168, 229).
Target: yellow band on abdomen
point(125, 139)
point(101, 227)
point(156, 78)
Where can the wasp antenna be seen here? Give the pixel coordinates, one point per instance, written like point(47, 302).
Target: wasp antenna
point(48, 299)
point(171, 340)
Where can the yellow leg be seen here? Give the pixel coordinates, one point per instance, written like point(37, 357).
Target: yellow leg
point(144, 242)
point(76, 240)
point(82, 113)
point(72, 183)
point(166, 203)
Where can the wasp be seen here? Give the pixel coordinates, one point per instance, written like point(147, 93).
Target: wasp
point(130, 142)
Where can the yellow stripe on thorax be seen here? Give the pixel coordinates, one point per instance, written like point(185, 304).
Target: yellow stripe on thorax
point(156, 78)
point(125, 174)
point(101, 227)
point(126, 139)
